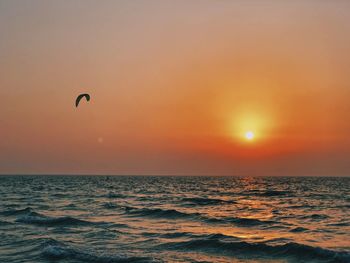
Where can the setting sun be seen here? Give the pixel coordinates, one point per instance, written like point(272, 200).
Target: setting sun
point(249, 135)
point(251, 125)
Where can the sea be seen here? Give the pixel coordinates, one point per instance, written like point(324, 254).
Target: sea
point(107, 219)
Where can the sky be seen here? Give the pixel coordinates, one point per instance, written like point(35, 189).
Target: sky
point(175, 86)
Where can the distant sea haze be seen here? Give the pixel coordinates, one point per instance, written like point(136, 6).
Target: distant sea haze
point(174, 219)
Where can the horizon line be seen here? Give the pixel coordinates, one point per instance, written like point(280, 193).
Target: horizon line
point(162, 175)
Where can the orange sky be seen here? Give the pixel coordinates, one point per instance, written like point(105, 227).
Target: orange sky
point(174, 86)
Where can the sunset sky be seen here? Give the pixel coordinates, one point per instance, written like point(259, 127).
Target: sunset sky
point(175, 86)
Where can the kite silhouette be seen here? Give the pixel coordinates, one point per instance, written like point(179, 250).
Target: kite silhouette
point(84, 95)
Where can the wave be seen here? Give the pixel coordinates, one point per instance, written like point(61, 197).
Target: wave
point(71, 206)
point(55, 250)
point(270, 193)
point(241, 221)
point(109, 205)
point(220, 244)
point(206, 201)
point(5, 223)
point(115, 195)
point(316, 217)
point(12, 212)
point(343, 206)
point(339, 224)
point(247, 222)
point(301, 206)
point(175, 235)
point(169, 235)
point(174, 214)
point(39, 219)
point(298, 230)
point(158, 213)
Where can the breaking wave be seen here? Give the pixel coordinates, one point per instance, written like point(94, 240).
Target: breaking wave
point(31, 217)
point(220, 244)
point(55, 250)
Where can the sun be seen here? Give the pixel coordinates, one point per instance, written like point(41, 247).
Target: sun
point(249, 135)
point(249, 129)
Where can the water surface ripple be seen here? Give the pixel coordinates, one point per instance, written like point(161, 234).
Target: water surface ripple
point(174, 219)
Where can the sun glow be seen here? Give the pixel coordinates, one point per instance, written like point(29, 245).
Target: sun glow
point(251, 127)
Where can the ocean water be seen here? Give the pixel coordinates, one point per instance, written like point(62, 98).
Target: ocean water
point(174, 219)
